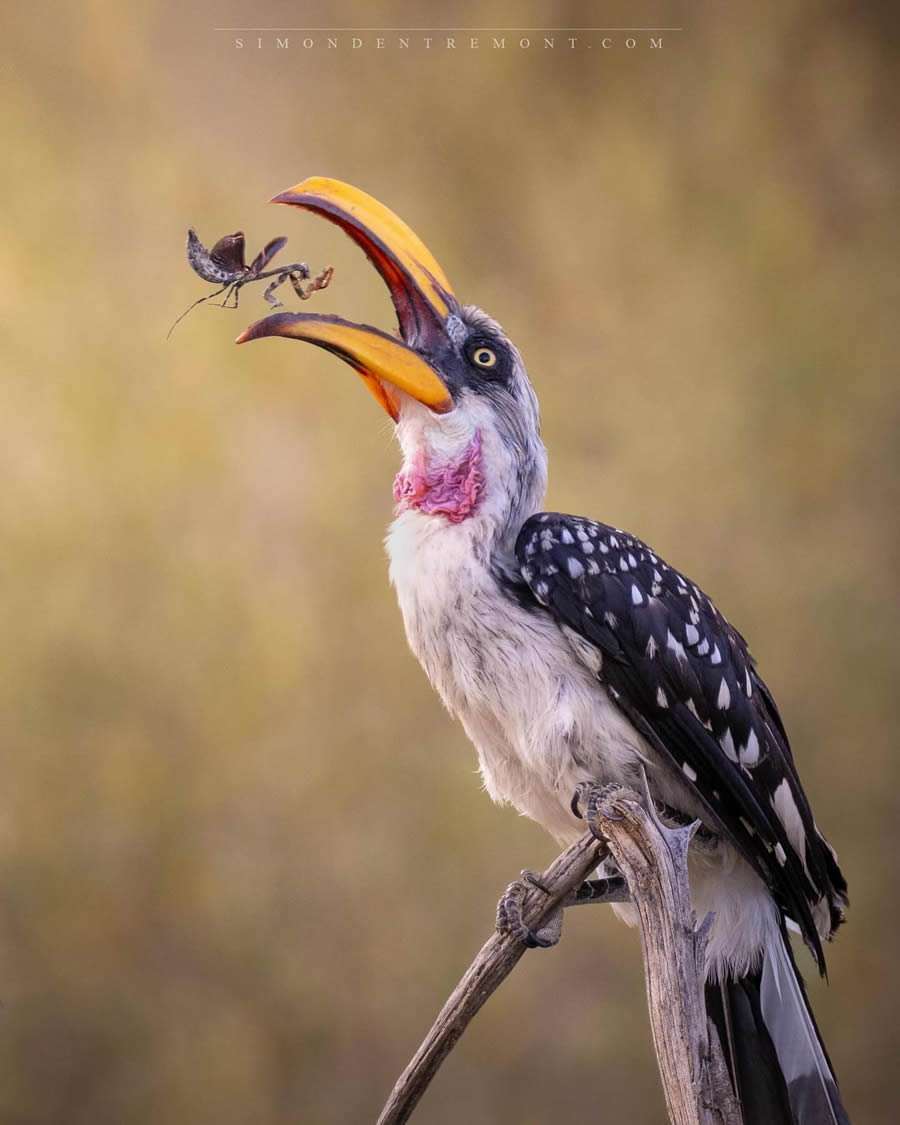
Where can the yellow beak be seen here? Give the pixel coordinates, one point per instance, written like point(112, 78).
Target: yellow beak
point(419, 290)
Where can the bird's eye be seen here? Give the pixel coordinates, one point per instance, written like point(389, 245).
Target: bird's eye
point(484, 357)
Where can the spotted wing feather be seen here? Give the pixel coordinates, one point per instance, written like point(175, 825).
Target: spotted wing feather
point(686, 679)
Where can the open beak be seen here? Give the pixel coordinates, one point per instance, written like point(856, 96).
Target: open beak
point(419, 290)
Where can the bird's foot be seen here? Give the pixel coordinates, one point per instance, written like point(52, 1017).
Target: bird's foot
point(510, 920)
point(591, 803)
point(612, 888)
point(591, 797)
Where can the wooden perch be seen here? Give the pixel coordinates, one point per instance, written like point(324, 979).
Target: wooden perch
point(653, 859)
point(498, 957)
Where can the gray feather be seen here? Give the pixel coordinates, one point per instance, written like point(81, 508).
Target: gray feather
point(811, 1087)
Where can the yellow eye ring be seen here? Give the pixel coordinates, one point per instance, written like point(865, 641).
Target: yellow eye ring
point(484, 357)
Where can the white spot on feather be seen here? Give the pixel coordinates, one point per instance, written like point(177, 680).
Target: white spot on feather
point(661, 698)
point(716, 657)
point(750, 752)
point(676, 646)
point(689, 772)
point(787, 812)
point(566, 536)
point(691, 634)
point(724, 699)
point(575, 568)
point(703, 647)
point(637, 598)
point(727, 744)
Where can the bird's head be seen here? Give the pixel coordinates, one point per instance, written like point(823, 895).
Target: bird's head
point(465, 412)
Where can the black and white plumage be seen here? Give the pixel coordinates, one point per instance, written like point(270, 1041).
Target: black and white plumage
point(571, 652)
point(686, 679)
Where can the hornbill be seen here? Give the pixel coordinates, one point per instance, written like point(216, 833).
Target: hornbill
point(572, 652)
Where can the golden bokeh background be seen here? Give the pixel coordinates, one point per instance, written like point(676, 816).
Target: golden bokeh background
point(244, 854)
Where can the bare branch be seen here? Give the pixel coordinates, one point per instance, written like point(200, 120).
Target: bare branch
point(653, 859)
point(498, 957)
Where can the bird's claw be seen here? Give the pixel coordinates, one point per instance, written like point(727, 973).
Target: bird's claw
point(575, 803)
point(593, 797)
point(510, 920)
point(534, 881)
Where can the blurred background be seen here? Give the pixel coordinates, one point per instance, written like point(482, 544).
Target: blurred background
point(244, 854)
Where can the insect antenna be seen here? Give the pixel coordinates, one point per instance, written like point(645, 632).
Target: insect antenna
point(199, 301)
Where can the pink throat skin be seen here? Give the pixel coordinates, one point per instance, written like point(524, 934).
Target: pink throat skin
point(449, 488)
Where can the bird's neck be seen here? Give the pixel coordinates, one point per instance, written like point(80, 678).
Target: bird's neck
point(464, 475)
point(451, 487)
point(461, 500)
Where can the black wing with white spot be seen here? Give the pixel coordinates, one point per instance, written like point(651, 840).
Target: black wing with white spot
point(686, 679)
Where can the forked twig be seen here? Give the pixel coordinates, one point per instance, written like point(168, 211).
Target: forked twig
point(498, 957)
point(653, 858)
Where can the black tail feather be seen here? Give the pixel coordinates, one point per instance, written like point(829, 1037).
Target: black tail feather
point(734, 1007)
point(778, 1063)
